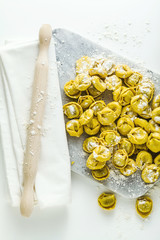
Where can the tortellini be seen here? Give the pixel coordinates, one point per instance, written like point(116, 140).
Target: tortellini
point(150, 173)
point(82, 82)
point(153, 126)
point(144, 206)
point(92, 128)
point(109, 127)
point(86, 117)
point(125, 125)
point(107, 201)
point(126, 145)
point(110, 137)
point(93, 164)
point(93, 91)
point(123, 95)
point(120, 158)
point(139, 122)
point(70, 90)
point(143, 159)
point(90, 144)
point(146, 88)
point(156, 115)
point(116, 107)
point(138, 136)
point(74, 128)
point(123, 71)
point(99, 84)
point(153, 142)
point(133, 80)
point(113, 82)
point(85, 101)
point(106, 116)
point(157, 160)
point(83, 64)
point(72, 110)
point(130, 168)
point(102, 154)
point(97, 106)
point(156, 102)
point(139, 103)
point(101, 174)
point(127, 110)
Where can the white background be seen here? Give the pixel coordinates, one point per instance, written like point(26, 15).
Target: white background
point(131, 28)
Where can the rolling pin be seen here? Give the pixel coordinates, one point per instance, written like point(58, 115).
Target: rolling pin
point(32, 153)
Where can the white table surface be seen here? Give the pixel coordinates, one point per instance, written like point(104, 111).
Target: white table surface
point(131, 28)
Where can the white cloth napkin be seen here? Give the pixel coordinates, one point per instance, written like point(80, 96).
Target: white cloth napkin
point(53, 180)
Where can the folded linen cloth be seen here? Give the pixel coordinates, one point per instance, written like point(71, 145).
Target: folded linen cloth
point(53, 180)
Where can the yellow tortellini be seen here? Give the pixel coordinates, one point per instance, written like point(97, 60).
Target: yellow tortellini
point(116, 107)
point(83, 64)
point(143, 159)
point(147, 113)
point(154, 127)
point(139, 103)
point(125, 125)
point(93, 91)
point(97, 106)
point(102, 154)
point(123, 95)
point(74, 128)
point(123, 71)
point(86, 117)
point(138, 136)
point(146, 88)
point(93, 164)
point(144, 206)
point(101, 174)
point(133, 80)
point(120, 158)
point(106, 116)
point(113, 82)
point(127, 110)
point(85, 101)
point(92, 128)
point(110, 137)
point(109, 127)
point(153, 142)
point(127, 145)
point(72, 110)
point(70, 90)
point(139, 122)
point(156, 115)
point(157, 160)
point(82, 82)
point(107, 201)
point(140, 147)
point(130, 168)
point(90, 144)
point(156, 102)
point(150, 173)
point(99, 84)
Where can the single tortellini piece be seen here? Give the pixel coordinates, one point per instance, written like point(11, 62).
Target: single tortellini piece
point(101, 174)
point(97, 106)
point(106, 116)
point(147, 113)
point(139, 103)
point(127, 145)
point(154, 127)
point(82, 81)
point(107, 201)
point(71, 91)
point(133, 80)
point(123, 71)
point(72, 110)
point(146, 88)
point(110, 137)
point(124, 125)
point(85, 101)
point(74, 128)
point(153, 142)
point(83, 64)
point(90, 144)
point(156, 115)
point(144, 206)
point(139, 122)
point(157, 160)
point(116, 107)
point(93, 91)
point(117, 93)
point(138, 136)
point(143, 159)
point(150, 173)
point(93, 164)
point(109, 127)
point(127, 110)
point(123, 95)
point(113, 82)
point(86, 117)
point(92, 127)
point(102, 154)
point(130, 168)
point(120, 158)
point(99, 84)
point(156, 102)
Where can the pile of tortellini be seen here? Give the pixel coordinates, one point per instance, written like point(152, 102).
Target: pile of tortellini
point(129, 125)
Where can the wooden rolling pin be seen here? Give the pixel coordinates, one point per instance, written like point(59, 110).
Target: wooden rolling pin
point(32, 153)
